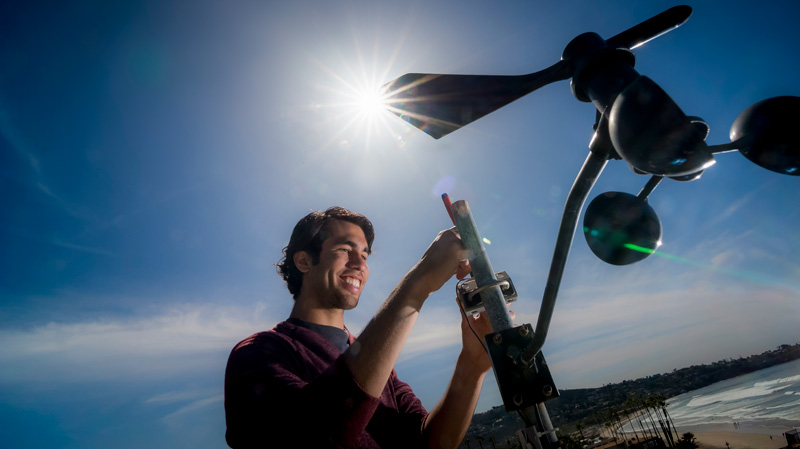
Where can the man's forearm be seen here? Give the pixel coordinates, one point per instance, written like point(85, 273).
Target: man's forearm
point(372, 356)
point(448, 422)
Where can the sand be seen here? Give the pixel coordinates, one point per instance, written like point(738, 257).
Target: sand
point(736, 440)
point(747, 435)
point(714, 436)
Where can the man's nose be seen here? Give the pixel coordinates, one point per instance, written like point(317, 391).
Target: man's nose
point(356, 261)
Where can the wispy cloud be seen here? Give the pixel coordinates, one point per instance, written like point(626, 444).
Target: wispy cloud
point(193, 407)
point(179, 340)
point(734, 208)
point(20, 145)
point(176, 396)
point(434, 331)
point(9, 132)
point(599, 333)
point(631, 335)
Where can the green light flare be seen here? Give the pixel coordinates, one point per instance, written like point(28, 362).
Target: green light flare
point(761, 279)
point(641, 249)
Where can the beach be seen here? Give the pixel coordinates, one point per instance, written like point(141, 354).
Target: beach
point(763, 403)
point(743, 435)
point(747, 436)
point(737, 440)
point(716, 439)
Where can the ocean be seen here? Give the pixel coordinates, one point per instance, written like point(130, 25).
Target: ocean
point(765, 401)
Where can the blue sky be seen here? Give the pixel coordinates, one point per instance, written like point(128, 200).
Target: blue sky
point(155, 156)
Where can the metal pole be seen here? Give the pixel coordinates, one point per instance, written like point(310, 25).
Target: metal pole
point(591, 170)
point(494, 303)
point(547, 425)
point(482, 270)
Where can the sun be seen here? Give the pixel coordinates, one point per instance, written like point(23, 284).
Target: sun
point(353, 102)
point(357, 110)
point(369, 102)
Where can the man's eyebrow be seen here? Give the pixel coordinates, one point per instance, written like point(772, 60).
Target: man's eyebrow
point(344, 240)
point(355, 245)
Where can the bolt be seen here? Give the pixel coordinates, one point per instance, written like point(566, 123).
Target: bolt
point(547, 390)
point(497, 339)
point(518, 400)
point(523, 330)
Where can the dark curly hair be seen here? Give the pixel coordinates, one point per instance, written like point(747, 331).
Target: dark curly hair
point(308, 235)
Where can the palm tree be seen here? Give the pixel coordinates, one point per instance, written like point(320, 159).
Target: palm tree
point(638, 403)
point(662, 402)
point(641, 426)
point(492, 440)
point(628, 405)
point(647, 407)
point(479, 439)
point(579, 426)
point(620, 426)
point(688, 441)
point(466, 441)
point(656, 401)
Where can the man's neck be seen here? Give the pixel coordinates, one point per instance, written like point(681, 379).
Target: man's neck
point(327, 317)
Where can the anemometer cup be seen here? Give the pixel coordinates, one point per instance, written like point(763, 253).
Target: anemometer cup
point(621, 228)
point(766, 134)
point(652, 134)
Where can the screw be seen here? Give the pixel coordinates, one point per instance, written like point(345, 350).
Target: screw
point(547, 390)
point(497, 339)
point(518, 400)
point(523, 331)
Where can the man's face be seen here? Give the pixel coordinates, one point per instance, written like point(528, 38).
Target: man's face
point(339, 277)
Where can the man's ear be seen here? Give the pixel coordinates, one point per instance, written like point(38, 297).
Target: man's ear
point(302, 260)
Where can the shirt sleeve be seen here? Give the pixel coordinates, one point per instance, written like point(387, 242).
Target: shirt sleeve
point(411, 412)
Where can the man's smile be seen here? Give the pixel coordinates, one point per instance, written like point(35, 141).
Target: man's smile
point(355, 282)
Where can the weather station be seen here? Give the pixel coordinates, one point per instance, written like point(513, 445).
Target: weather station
point(637, 122)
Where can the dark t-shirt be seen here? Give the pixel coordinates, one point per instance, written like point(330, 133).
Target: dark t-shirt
point(339, 337)
point(290, 388)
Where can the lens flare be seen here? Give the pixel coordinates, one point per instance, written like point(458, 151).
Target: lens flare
point(444, 185)
point(755, 277)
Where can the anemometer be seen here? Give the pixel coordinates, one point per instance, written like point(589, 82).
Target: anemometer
point(635, 121)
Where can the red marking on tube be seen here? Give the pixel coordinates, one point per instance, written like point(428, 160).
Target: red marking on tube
point(448, 205)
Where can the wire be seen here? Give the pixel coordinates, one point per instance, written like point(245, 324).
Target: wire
point(466, 318)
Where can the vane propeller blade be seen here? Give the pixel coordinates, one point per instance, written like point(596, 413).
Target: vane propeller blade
point(652, 28)
point(441, 104)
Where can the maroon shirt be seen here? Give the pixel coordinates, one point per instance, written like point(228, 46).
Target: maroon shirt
point(290, 388)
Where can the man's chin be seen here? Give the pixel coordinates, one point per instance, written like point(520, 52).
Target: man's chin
point(348, 301)
point(351, 304)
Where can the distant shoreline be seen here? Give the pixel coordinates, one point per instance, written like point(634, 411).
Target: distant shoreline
point(587, 408)
point(749, 434)
point(739, 440)
point(761, 427)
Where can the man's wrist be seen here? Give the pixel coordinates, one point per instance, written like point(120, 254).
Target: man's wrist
point(468, 369)
point(414, 288)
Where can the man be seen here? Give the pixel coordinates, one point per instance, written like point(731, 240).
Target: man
point(307, 383)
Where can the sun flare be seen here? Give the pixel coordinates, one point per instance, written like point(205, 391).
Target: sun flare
point(358, 110)
point(370, 102)
point(353, 98)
